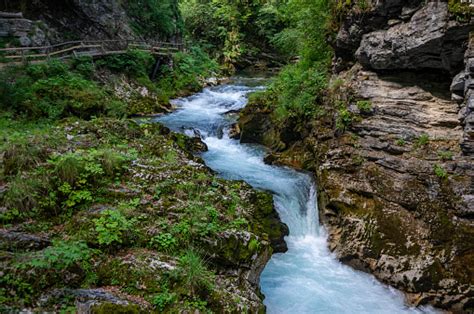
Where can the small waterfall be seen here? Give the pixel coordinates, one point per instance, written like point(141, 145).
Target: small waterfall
point(307, 278)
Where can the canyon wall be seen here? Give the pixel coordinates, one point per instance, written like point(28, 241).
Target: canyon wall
point(396, 187)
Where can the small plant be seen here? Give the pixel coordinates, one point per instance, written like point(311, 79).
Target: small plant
point(364, 106)
point(164, 241)
point(22, 194)
point(111, 227)
point(440, 172)
point(193, 273)
point(401, 142)
point(445, 155)
point(344, 119)
point(423, 140)
point(163, 299)
point(62, 255)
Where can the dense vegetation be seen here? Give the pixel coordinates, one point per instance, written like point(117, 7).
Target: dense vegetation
point(237, 32)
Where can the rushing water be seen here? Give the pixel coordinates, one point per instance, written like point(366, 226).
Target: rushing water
point(307, 278)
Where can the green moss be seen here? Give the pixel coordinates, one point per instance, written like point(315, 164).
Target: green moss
point(106, 308)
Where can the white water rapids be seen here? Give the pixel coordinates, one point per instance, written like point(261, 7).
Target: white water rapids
point(307, 278)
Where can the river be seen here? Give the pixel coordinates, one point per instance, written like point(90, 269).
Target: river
point(308, 278)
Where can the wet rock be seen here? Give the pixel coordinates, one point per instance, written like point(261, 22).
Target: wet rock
point(234, 131)
point(12, 241)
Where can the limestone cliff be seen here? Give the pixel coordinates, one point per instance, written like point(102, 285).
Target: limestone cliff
point(396, 189)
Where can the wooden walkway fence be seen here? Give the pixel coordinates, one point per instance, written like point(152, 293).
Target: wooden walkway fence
point(91, 48)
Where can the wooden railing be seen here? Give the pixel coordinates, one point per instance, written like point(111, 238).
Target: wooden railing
point(92, 48)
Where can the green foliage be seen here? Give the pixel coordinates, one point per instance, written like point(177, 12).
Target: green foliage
point(21, 197)
point(400, 142)
point(422, 140)
point(20, 155)
point(306, 30)
point(344, 118)
point(52, 90)
point(462, 11)
point(298, 91)
point(165, 242)
point(187, 73)
point(232, 30)
point(445, 155)
point(62, 255)
point(163, 299)
point(364, 106)
point(193, 273)
point(111, 227)
point(440, 171)
point(155, 17)
point(135, 63)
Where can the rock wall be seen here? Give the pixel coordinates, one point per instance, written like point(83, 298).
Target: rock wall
point(396, 186)
point(54, 21)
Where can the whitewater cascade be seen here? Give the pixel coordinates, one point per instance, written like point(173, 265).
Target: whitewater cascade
point(307, 278)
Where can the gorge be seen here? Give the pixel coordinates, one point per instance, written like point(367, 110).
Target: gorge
point(142, 179)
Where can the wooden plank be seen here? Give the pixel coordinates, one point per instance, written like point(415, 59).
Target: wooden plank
point(73, 48)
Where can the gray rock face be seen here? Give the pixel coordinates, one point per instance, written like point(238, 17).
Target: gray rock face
point(428, 40)
point(463, 85)
point(27, 32)
point(12, 241)
point(379, 15)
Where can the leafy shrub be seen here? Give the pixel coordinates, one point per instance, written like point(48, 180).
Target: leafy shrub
point(111, 226)
point(440, 171)
point(162, 300)
point(151, 17)
point(164, 241)
point(134, 63)
point(62, 255)
point(187, 72)
point(298, 91)
point(53, 90)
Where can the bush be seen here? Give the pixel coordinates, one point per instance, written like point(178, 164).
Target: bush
point(187, 73)
point(298, 91)
point(135, 63)
point(63, 255)
point(165, 242)
point(162, 300)
point(111, 226)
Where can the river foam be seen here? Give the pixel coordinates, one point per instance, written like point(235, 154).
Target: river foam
point(308, 278)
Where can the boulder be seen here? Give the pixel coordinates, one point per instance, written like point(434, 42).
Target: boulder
point(428, 40)
point(13, 241)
